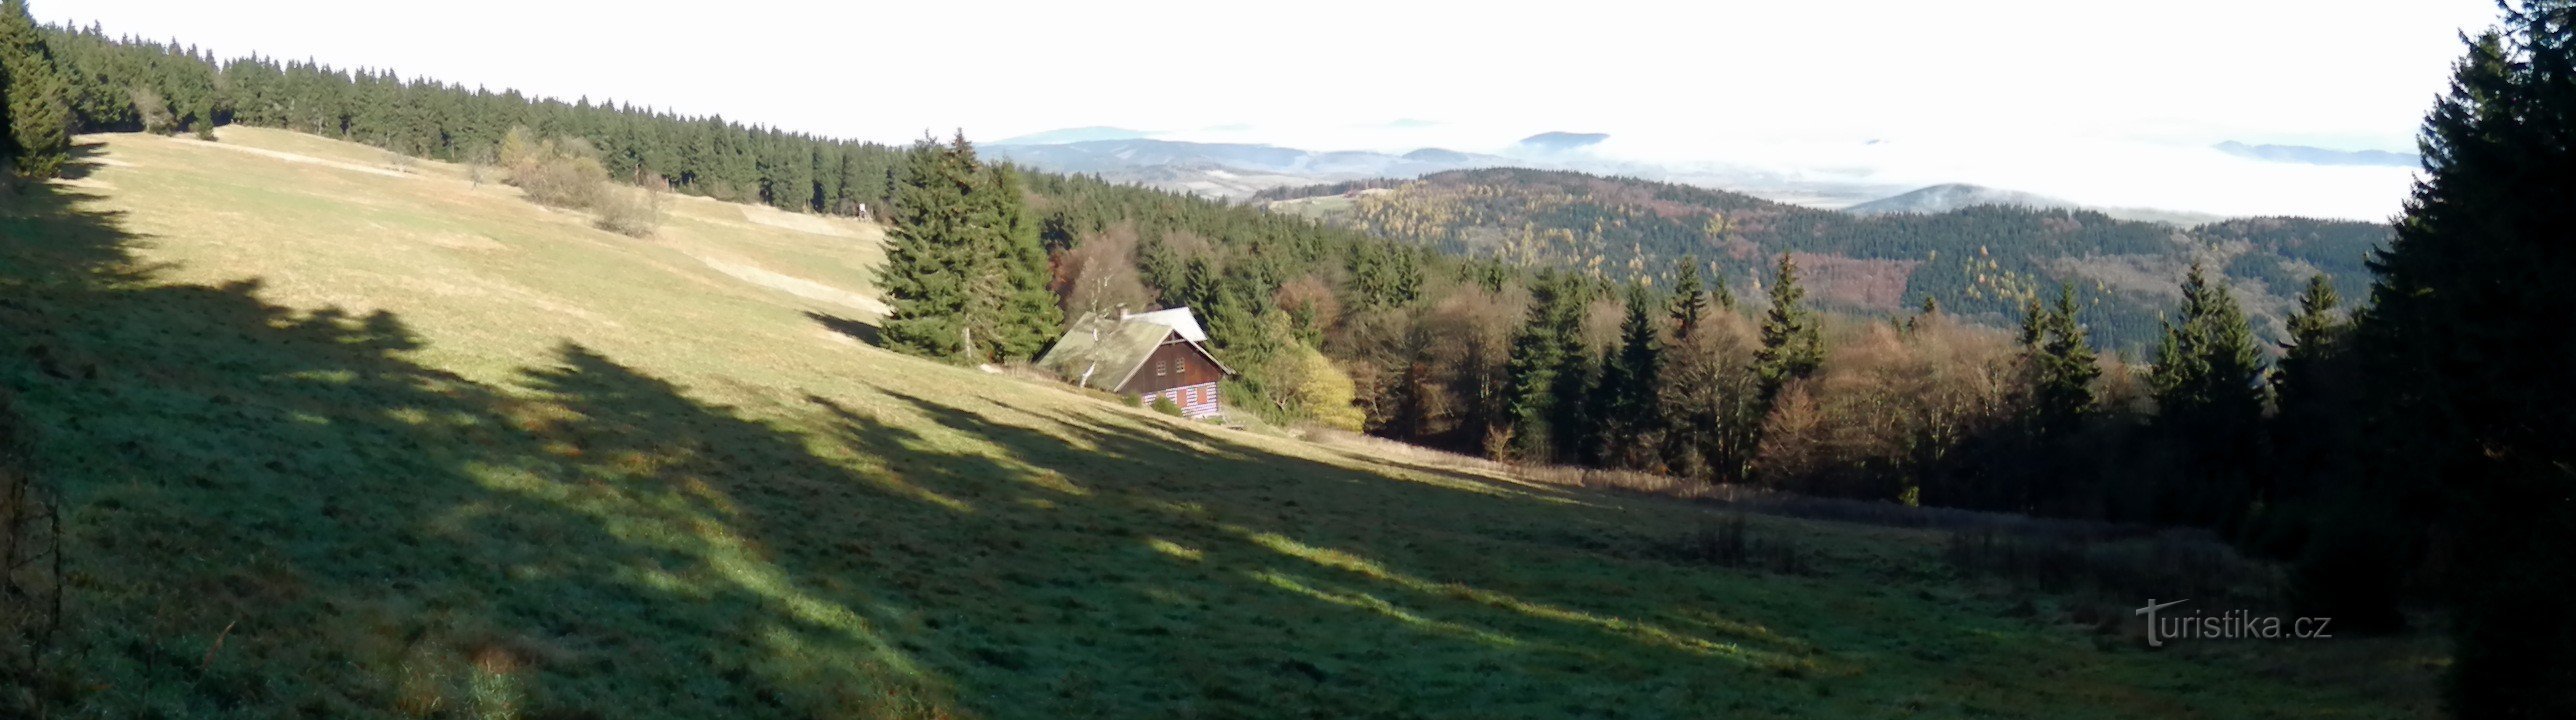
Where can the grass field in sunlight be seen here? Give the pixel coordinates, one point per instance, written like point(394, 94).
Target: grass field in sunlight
point(337, 435)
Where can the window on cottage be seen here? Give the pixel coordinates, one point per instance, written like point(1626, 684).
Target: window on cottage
point(1190, 396)
point(1158, 368)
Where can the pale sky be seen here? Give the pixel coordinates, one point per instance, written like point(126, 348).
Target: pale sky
point(1976, 90)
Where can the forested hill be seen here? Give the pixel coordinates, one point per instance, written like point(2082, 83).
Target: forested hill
point(1978, 261)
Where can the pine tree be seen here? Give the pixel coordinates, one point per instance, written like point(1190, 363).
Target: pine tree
point(39, 119)
point(964, 266)
point(1632, 380)
point(1025, 316)
point(2315, 330)
point(1792, 345)
point(2464, 347)
point(1530, 401)
point(2208, 383)
point(929, 267)
point(1690, 305)
point(2062, 366)
point(1575, 417)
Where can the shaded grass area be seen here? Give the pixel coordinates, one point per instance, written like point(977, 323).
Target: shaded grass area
point(302, 510)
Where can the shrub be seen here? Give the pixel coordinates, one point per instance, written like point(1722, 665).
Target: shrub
point(632, 212)
point(154, 112)
point(2118, 561)
point(1321, 392)
point(1165, 406)
point(1731, 543)
point(559, 172)
point(567, 173)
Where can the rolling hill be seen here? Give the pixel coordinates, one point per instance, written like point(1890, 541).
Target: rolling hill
point(1955, 196)
point(2304, 155)
point(337, 433)
point(1943, 198)
point(1975, 250)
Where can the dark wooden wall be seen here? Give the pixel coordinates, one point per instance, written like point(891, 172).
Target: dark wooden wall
point(1181, 365)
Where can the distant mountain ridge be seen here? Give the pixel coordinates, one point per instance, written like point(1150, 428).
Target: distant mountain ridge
point(1560, 141)
point(1074, 135)
point(2304, 155)
point(1953, 196)
point(1981, 260)
point(1229, 169)
point(1241, 170)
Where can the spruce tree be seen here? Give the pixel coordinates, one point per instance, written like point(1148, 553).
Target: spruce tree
point(2060, 362)
point(1025, 316)
point(2315, 330)
point(2465, 347)
point(2062, 366)
point(1575, 417)
point(39, 121)
point(1792, 345)
point(2208, 384)
point(929, 267)
point(1631, 414)
point(1690, 305)
point(1530, 400)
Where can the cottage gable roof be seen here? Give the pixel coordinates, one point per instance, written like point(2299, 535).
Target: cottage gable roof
point(1179, 319)
point(1103, 352)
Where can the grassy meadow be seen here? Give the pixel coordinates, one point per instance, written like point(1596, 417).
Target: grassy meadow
point(337, 434)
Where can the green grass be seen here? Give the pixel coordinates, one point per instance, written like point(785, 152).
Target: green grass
point(332, 443)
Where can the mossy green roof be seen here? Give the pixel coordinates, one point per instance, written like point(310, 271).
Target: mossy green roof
point(1102, 352)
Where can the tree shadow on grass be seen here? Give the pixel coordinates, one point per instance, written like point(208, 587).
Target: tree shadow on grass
point(1292, 578)
point(863, 332)
point(276, 511)
point(273, 511)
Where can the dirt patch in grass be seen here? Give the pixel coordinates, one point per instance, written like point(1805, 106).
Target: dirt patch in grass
point(796, 286)
point(298, 158)
point(781, 219)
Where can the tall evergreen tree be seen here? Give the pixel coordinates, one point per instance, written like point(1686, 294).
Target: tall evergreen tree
point(1025, 316)
point(2315, 332)
point(1537, 357)
point(1631, 414)
point(2062, 365)
point(1575, 417)
point(39, 119)
point(963, 264)
point(2466, 343)
point(927, 265)
point(1792, 345)
point(2208, 383)
point(1690, 304)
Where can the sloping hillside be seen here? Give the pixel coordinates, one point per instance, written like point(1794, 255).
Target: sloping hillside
point(337, 434)
point(1953, 196)
point(1982, 260)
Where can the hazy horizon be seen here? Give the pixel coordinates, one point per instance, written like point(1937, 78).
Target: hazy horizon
point(2031, 96)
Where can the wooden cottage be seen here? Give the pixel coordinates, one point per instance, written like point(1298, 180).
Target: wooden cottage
point(1147, 356)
